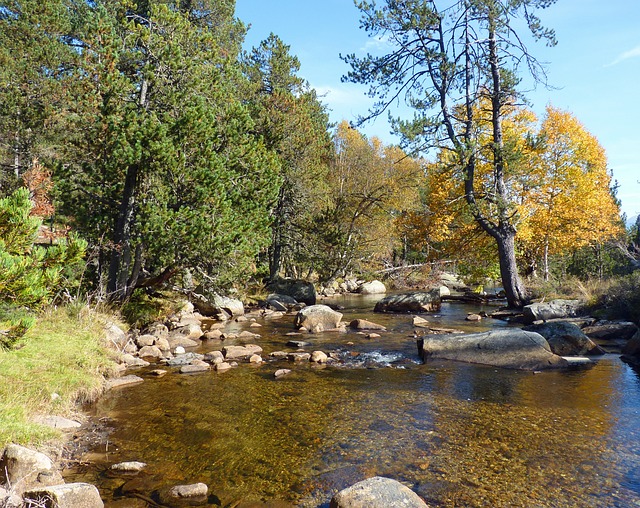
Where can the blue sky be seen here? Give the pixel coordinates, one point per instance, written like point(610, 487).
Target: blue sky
point(595, 68)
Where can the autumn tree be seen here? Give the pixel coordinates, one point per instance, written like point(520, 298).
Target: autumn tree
point(444, 60)
point(568, 202)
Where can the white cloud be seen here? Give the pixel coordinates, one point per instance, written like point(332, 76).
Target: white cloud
point(376, 44)
point(632, 53)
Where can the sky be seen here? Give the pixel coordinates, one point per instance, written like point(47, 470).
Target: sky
point(594, 69)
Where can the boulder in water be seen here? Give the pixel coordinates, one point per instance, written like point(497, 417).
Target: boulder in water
point(422, 301)
point(317, 318)
point(377, 492)
point(566, 339)
point(551, 310)
point(512, 349)
point(374, 287)
point(302, 290)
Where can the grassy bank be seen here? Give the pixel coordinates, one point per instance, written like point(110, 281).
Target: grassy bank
point(60, 362)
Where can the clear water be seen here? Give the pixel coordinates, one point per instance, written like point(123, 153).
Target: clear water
point(459, 435)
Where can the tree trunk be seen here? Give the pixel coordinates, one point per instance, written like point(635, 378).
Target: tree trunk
point(511, 283)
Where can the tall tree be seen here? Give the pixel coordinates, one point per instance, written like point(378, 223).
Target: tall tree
point(166, 173)
point(293, 124)
point(444, 61)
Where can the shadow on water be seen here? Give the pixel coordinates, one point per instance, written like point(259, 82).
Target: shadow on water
point(459, 435)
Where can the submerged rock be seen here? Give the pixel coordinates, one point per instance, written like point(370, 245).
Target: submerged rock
point(512, 349)
point(420, 301)
point(377, 492)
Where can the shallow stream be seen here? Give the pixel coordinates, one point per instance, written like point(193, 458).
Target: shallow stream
point(459, 435)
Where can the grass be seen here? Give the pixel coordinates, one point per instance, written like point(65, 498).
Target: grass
point(58, 364)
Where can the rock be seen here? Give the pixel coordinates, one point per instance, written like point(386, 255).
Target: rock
point(410, 302)
point(179, 350)
point(117, 382)
point(217, 305)
point(58, 422)
point(145, 340)
point(566, 339)
point(511, 348)
point(298, 357)
point(240, 352)
point(181, 342)
point(473, 317)
point(189, 491)
point(551, 310)
point(221, 367)
point(280, 302)
point(190, 331)
point(300, 290)
point(26, 469)
point(452, 282)
point(373, 336)
point(420, 322)
point(351, 285)
point(214, 357)
point(71, 495)
point(319, 357)
point(129, 467)
point(255, 325)
point(611, 330)
point(317, 318)
point(158, 330)
point(190, 369)
point(163, 345)
point(158, 372)
point(278, 355)
point(184, 359)
point(298, 343)
point(213, 334)
point(377, 492)
point(363, 324)
point(255, 359)
point(150, 352)
point(444, 291)
point(631, 350)
point(116, 336)
point(281, 373)
point(245, 334)
point(375, 287)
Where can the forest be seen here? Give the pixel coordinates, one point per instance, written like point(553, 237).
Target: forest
point(142, 147)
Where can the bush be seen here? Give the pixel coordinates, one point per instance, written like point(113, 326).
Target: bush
point(623, 298)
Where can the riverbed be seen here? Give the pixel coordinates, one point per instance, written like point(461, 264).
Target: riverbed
point(459, 435)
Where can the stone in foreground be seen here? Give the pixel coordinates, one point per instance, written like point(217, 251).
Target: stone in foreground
point(24, 469)
point(428, 301)
point(70, 495)
point(566, 339)
point(511, 349)
point(377, 492)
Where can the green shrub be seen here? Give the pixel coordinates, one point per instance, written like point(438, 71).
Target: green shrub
point(623, 298)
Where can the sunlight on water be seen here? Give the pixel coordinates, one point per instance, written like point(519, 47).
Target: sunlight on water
point(459, 435)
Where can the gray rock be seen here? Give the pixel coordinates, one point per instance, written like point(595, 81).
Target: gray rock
point(363, 324)
point(551, 310)
point(281, 373)
point(213, 334)
point(611, 330)
point(150, 352)
point(58, 422)
point(511, 348)
point(298, 357)
point(214, 357)
point(71, 495)
point(189, 491)
point(473, 317)
point(158, 330)
point(566, 339)
point(117, 382)
point(221, 367)
point(162, 344)
point(298, 343)
point(319, 357)
point(631, 350)
point(255, 359)
point(317, 318)
point(300, 290)
point(240, 352)
point(421, 301)
point(183, 342)
point(190, 331)
point(26, 469)
point(190, 369)
point(377, 492)
point(116, 336)
point(217, 305)
point(129, 467)
point(420, 322)
point(145, 340)
point(184, 359)
point(375, 287)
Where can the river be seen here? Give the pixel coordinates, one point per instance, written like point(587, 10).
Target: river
point(459, 435)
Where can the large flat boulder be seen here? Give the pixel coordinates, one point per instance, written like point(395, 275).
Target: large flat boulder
point(611, 330)
point(566, 339)
point(377, 492)
point(317, 318)
point(511, 348)
point(543, 311)
point(420, 301)
point(302, 290)
point(214, 304)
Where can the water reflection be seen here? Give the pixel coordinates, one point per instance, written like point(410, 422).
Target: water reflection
point(460, 435)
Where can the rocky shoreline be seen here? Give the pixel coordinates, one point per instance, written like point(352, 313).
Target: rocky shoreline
point(33, 479)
